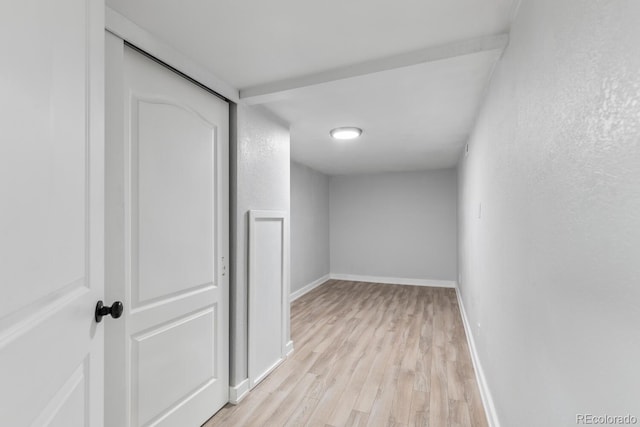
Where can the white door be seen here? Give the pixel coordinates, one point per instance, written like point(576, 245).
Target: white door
point(51, 212)
point(167, 246)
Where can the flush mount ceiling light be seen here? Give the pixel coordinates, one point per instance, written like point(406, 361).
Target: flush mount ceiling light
point(346, 133)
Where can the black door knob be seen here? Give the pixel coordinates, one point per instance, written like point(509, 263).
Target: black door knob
point(115, 310)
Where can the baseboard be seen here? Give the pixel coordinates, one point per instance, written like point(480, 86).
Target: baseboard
point(485, 393)
point(289, 348)
point(308, 288)
point(395, 280)
point(239, 392)
point(259, 378)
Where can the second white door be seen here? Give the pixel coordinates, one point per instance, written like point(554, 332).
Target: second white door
point(167, 246)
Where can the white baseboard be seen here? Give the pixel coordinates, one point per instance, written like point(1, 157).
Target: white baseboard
point(485, 393)
point(289, 348)
point(308, 288)
point(239, 392)
point(395, 280)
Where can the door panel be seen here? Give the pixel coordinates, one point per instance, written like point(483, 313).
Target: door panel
point(167, 181)
point(185, 372)
point(268, 292)
point(44, 97)
point(51, 219)
point(175, 191)
point(63, 410)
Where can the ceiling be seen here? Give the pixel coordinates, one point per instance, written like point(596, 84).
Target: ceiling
point(413, 118)
point(411, 73)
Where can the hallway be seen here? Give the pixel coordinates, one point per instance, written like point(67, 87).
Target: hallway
point(369, 354)
point(325, 213)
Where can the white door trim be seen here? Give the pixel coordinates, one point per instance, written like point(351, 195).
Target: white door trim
point(286, 346)
point(127, 30)
point(239, 392)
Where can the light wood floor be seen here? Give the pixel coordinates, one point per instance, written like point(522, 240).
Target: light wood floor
point(368, 355)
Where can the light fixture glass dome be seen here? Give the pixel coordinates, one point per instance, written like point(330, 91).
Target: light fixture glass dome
point(346, 133)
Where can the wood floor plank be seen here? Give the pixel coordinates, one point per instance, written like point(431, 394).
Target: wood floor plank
point(288, 406)
point(369, 390)
point(302, 412)
point(368, 355)
point(357, 419)
point(439, 399)
point(458, 413)
point(341, 373)
point(419, 412)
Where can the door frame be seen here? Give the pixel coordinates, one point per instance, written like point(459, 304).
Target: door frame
point(144, 41)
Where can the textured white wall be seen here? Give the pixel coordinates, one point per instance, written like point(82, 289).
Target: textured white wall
point(309, 225)
point(259, 159)
point(400, 225)
point(550, 272)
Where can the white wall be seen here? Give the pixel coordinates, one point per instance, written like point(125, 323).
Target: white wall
point(398, 225)
point(259, 160)
point(309, 226)
point(550, 272)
